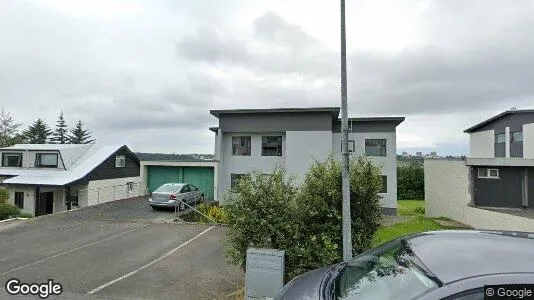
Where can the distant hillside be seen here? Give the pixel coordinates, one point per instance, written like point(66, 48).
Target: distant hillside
point(173, 157)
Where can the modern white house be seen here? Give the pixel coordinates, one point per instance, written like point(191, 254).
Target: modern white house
point(261, 139)
point(49, 178)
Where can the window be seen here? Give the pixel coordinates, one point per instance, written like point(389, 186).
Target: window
point(46, 160)
point(19, 199)
point(516, 137)
point(384, 188)
point(271, 146)
point(185, 189)
point(241, 145)
point(352, 146)
point(375, 147)
point(500, 138)
point(488, 173)
point(12, 160)
point(475, 294)
point(234, 178)
point(193, 188)
point(74, 199)
point(120, 161)
point(129, 187)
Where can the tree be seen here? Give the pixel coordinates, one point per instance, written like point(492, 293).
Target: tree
point(271, 212)
point(60, 135)
point(8, 129)
point(79, 135)
point(37, 133)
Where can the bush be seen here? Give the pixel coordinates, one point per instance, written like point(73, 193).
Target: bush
point(4, 195)
point(410, 182)
point(213, 212)
point(420, 210)
point(270, 212)
point(8, 211)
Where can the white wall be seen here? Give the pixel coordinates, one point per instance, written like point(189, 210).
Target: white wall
point(388, 163)
point(244, 164)
point(447, 194)
point(29, 198)
point(100, 191)
point(302, 147)
point(507, 144)
point(28, 158)
point(528, 140)
point(481, 144)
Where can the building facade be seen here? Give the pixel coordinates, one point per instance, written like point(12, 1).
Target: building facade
point(501, 160)
point(50, 178)
point(261, 139)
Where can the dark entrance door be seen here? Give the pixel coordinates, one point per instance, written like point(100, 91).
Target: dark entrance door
point(45, 203)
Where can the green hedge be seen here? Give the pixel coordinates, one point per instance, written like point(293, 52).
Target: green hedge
point(8, 211)
point(411, 182)
point(4, 195)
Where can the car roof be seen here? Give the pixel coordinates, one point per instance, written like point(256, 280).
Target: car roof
point(452, 255)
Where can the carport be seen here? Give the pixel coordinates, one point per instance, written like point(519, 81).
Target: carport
point(201, 174)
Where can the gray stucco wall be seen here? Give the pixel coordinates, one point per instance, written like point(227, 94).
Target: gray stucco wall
point(503, 192)
point(276, 122)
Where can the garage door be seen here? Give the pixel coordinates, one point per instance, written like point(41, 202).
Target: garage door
point(201, 177)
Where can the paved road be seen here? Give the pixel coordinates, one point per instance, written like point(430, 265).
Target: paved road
point(117, 251)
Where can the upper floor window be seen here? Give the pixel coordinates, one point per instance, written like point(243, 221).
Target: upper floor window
point(516, 136)
point(120, 161)
point(271, 146)
point(500, 138)
point(241, 145)
point(11, 159)
point(375, 147)
point(46, 160)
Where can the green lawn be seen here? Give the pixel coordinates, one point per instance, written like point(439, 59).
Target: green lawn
point(416, 223)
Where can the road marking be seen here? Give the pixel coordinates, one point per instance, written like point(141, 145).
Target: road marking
point(149, 264)
point(72, 250)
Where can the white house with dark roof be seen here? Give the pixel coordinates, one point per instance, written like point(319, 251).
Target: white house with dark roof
point(49, 178)
point(261, 139)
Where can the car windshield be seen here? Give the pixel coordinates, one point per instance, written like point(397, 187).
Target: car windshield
point(168, 188)
point(388, 272)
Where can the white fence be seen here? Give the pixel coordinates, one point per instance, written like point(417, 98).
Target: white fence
point(111, 193)
point(448, 194)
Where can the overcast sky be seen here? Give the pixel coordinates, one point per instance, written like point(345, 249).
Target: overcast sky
point(146, 73)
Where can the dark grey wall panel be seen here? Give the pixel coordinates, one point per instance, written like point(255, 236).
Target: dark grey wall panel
point(368, 126)
point(516, 149)
point(107, 169)
point(276, 122)
point(500, 149)
point(514, 121)
point(531, 187)
point(503, 192)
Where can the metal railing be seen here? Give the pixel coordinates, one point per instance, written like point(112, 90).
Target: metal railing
point(109, 193)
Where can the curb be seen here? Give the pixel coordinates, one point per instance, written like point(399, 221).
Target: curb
point(7, 221)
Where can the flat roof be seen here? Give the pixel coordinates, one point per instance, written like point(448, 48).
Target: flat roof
point(334, 110)
point(396, 120)
point(508, 112)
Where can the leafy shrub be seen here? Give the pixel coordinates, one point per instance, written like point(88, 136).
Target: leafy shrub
point(410, 182)
point(213, 212)
point(4, 195)
point(270, 212)
point(420, 210)
point(8, 211)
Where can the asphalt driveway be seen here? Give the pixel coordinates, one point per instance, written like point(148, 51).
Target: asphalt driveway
point(119, 250)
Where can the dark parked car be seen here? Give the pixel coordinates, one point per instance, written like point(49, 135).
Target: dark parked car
point(430, 265)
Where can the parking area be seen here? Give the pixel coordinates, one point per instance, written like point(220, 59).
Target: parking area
point(119, 250)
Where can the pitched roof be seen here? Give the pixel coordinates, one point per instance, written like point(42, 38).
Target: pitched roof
point(508, 112)
point(78, 169)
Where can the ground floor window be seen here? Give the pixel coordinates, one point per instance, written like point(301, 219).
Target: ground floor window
point(234, 178)
point(488, 173)
point(129, 187)
point(384, 188)
point(74, 198)
point(19, 199)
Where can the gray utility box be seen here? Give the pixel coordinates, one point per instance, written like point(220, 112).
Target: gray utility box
point(264, 273)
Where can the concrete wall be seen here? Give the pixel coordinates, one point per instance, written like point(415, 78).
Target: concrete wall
point(528, 140)
point(100, 191)
point(448, 194)
point(303, 147)
point(387, 163)
point(29, 198)
point(481, 144)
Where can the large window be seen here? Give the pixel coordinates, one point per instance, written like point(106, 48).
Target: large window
point(488, 173)
point(234, 178)
point(19, 199)
point(516, 136)
point(375, 147)
point(271, 146)
point(120, 161)
point(384, 188)
point(241, 145)
point(46, 160)
point(11, 159)
point(500, 138)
